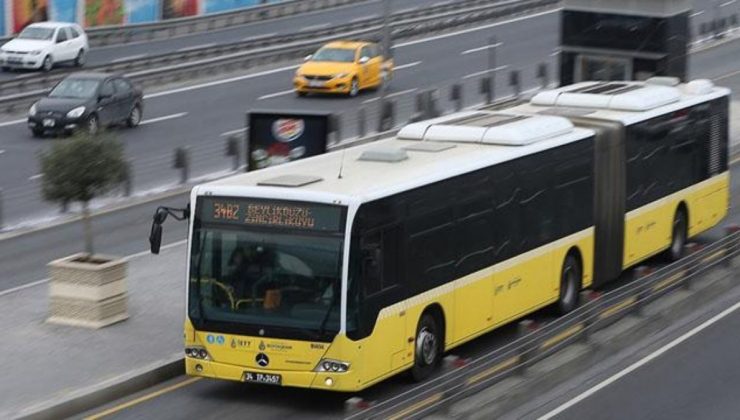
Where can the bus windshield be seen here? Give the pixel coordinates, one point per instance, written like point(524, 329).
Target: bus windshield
point(247, 280)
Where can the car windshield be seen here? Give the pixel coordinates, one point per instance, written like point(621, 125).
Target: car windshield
point(35, 32)
point(75, 88)
point(282, 279)
point(340, 55)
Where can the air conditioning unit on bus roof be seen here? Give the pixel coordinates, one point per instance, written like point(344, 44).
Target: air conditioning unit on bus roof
point(488, 128)
point(618, 96)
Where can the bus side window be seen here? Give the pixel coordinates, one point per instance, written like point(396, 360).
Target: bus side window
point(380, 255)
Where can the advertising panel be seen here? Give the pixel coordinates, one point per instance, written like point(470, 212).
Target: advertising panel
point(26, 12)
point(281, 136)
point(2, 18)
point(215, 6)
point(142, 11)
point(63, 10)
point(103, 12)
point(179, 8)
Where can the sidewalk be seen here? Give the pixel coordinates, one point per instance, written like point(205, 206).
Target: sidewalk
point(48, 363)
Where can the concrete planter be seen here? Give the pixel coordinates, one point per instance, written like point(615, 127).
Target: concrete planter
point(90, 294)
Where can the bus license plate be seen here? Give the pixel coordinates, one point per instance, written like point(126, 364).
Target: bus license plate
point(262, 378)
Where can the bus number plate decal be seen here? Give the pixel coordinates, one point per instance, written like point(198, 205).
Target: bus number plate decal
point(262, 378)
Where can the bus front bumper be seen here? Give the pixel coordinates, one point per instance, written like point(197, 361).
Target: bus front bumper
point(330, 381)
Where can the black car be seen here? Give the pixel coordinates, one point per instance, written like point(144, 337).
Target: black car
point(87, 101)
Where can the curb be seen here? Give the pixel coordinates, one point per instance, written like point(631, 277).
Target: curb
point(545, 375)
point(101, 394)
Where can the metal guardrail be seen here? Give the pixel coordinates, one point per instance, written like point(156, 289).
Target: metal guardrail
point(171, 28)
point(516, 357)
point(404, 25)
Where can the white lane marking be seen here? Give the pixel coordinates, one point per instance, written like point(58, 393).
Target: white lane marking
point(14, 122)
point(220, 82)
point(406, 10)
point(35, 177)
point(276, 94)
point(727, 3)
point(195, 47)
point(477, 28)
point(645, 360)
point(483, 48)
point(481, 73)
point(251, 37)
point(391, 95)
point(695, 14)
point(556, 53)
point(312, 27)
point(165, 118)
point(237, 131)
point(361, 18)
point(128, 258)
point(130, 57)
point(440, 3)
point(25, 286)
point(409, 65)
point(2, 151)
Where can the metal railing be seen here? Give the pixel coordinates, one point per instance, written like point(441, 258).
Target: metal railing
point(177, 66)
point(171, 28)
point(539, 343)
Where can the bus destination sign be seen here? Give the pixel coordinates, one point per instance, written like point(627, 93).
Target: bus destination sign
point(282, 214)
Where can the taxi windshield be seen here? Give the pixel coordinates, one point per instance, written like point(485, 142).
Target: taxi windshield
point(339, 55)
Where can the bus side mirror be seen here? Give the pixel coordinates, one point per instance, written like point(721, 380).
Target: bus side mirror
point(155, 238)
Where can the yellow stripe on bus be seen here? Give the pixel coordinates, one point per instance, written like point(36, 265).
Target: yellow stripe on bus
point(493, 370)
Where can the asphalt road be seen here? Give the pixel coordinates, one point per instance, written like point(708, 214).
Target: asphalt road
point(200, 116)
point(281, 26)
point(697, 379)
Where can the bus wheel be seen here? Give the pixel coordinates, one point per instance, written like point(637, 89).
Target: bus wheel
point(570, 284)
point(427, 348)
point(678, 237)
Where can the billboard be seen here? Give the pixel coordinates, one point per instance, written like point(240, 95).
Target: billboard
point(142, 11)
point(215, 6)
point(277, 137)
point(103, 12)
point(179, 8)
point(26, 12)
point(63, 10)
point(2, 18)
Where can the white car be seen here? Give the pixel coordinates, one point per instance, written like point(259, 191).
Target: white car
point(44, 44)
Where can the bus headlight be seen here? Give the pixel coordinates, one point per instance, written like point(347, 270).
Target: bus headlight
point(330, 365)
point(197, 353)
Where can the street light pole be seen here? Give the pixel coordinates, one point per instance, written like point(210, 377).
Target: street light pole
point(386, 39)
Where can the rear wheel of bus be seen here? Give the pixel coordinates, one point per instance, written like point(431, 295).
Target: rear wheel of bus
point(427, 347)
point(570, 284)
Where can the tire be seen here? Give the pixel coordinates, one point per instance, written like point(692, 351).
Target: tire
point(6, 69)
point(37, 133)
point(300, 94)
point(427, 348)
point(134, 118)
point(385, 79)
point(354, 88)
point(92, 125)
point(570, 285)
point(80, 59)
point(48, 64)
point(678, 237)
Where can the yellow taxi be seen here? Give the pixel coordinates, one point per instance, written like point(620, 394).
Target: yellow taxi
point(344, 67)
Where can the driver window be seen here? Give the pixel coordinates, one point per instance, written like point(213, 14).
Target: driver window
point(107, 89)
point(61, 35)
point(365, 52)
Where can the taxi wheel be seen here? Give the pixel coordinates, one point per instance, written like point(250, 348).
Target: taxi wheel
point(354, 87)
point(300, 93)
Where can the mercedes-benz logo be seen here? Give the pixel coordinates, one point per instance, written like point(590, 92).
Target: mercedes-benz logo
point(262, 359)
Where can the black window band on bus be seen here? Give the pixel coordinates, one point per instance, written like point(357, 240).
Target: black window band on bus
point(458, 226)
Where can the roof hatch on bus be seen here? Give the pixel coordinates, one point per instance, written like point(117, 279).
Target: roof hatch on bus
point(489, 128)
point(618, 96)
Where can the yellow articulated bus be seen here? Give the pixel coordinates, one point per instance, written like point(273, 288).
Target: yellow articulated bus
point(341, 270)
